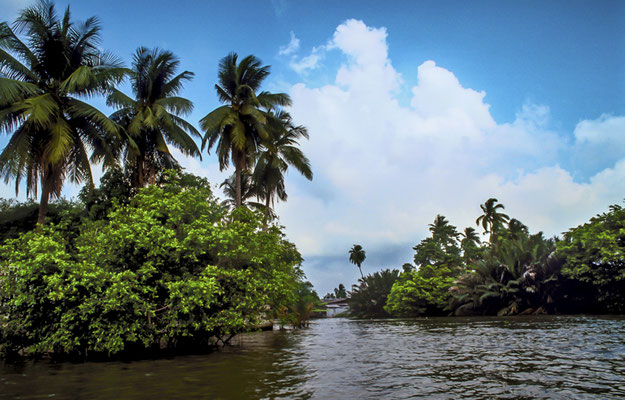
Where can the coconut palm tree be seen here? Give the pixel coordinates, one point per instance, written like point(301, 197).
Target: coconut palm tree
point(492, 220)
point(357, 256)
point(470, 244)
point(153, 118)
point(469, 238)
point(275, 157)
point(41, 82)
point(239, 126)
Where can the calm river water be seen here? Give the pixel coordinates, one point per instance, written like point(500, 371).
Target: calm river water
point(438, 358)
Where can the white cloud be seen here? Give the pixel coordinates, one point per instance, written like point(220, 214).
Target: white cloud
point(290, 48)
point(386, 170)
point(308, 63)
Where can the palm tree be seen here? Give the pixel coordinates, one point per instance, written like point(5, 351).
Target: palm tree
point(277, 154)
point(239, 126)
point(248, 191)
point(153, 118)
point(357, 256)
point(470, 244)
point(41, 80)
point(469, 238)
point(516, 229)
point(492, 220)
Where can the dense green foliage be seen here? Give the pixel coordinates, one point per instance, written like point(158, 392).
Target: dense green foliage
point(595, 257)
point(420, 292)
point(518, 274)
point(369, 298)
point(300, 306)
point(169, 269)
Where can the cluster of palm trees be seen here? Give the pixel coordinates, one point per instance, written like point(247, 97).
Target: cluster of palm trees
point(516, 272)
point(55, 135)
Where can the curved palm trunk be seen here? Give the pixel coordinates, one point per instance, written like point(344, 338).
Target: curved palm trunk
point(361, 275)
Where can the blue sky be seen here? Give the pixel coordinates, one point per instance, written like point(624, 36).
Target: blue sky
point(414, 109)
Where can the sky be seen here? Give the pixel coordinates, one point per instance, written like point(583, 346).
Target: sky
point(413, 108)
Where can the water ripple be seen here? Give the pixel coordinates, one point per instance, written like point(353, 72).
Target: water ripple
point(542, 357)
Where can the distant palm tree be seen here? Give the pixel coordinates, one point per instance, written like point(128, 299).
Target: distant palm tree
point(275, 157)
point(40, 82)
point(442, 231)
point(470, 244)
point(469, 238)
point(357, 256)
point(248, 191)
point(239, 126)
point(153, 118)
point(516, 229)
point(492, 220)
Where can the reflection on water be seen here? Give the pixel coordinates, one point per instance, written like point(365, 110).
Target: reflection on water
point(441, 358)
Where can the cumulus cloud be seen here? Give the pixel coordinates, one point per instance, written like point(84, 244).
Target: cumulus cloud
point(290, 48)
point(308, 63)
point(385, 170)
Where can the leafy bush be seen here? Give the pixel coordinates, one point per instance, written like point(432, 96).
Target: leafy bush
point(595, 259)
point(421, 292)
point(170, 269)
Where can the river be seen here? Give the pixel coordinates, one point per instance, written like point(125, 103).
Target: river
point(546, 357)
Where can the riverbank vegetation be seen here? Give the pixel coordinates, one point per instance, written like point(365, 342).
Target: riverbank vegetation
point(515, 272)
point(169, 269)
point(150, 259)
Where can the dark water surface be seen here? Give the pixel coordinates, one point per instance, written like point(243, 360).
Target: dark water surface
point(438, 358)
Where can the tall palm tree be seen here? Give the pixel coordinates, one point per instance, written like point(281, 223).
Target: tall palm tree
point(41, 81)
point(492, 220)
point(153, 118)
point(357, 256)
point(275, 157)
point(240, 125)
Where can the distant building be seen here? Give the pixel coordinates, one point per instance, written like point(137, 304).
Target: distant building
point(335, 306)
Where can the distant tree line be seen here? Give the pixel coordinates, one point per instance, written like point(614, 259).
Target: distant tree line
point(514, 272)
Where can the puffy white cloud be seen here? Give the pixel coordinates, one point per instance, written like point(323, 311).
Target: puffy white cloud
point(309, 62)
point(290, 48)
point(383, 170)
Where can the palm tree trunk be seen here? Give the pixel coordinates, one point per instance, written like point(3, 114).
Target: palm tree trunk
point(237, 186)
point(45, 197)
point(238, 165)
point(267, 200)
point(361, 275)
